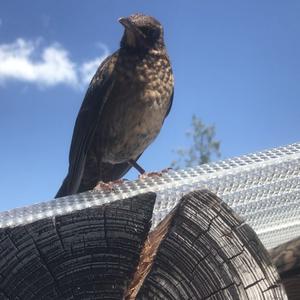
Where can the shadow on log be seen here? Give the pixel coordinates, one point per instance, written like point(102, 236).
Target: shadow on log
point(201, 250)
point(286, 258)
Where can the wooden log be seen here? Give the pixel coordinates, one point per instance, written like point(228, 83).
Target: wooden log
point(202, 250)
point(286, 258)
point(87, 254)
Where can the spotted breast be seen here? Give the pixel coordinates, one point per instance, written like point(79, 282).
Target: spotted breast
point(137, 114)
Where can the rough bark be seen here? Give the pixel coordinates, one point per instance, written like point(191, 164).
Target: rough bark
point(286, 258)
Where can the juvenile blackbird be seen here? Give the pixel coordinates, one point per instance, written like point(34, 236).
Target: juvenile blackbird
point(124, 108)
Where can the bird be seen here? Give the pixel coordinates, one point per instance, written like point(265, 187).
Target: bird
point(124, 107)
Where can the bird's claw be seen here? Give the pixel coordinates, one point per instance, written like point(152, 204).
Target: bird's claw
point(108, 186)
point(154, 174)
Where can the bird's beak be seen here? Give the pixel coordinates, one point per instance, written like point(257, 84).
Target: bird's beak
point(126, 22)
point(132, 32)
point(130, 26)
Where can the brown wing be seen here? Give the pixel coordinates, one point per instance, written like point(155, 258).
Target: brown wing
point(86, 123)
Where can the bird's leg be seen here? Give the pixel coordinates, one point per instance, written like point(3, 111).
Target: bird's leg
point(143, 174)
point(134, 164)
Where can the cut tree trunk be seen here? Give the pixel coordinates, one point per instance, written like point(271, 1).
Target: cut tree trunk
point(201, 250)
point(87, 254)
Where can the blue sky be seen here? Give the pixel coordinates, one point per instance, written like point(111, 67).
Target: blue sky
point(236, 65)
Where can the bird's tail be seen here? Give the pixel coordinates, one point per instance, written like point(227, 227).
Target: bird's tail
point(108, 172)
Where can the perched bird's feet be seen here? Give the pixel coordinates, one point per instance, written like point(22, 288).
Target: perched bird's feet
point(104, 186)
point(154, 174)
point(108, 186)
point(150, 174)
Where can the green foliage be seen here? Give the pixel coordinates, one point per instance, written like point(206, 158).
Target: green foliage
point(204, 146)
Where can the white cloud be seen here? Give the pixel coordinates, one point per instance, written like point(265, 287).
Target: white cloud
point(24, 61)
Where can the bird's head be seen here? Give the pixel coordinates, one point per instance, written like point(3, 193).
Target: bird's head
point(141, 32)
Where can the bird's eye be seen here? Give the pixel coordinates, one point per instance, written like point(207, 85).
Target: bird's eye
point(146, 30)
point(149, 32)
